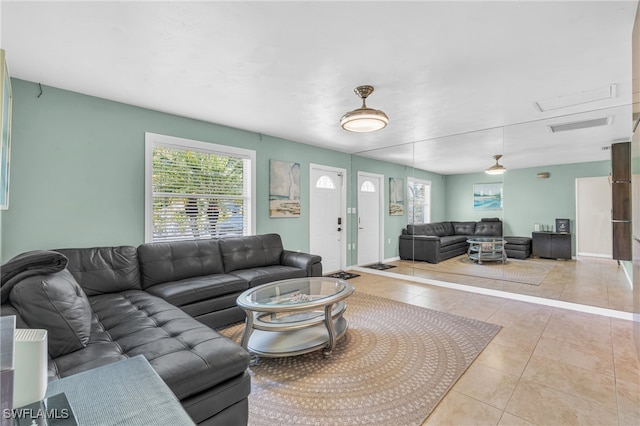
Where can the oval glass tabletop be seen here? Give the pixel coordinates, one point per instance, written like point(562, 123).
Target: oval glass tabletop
point(295, 292)
point(486, 240)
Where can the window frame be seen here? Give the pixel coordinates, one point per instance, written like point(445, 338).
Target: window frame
point(410, 203)
point(153, 139)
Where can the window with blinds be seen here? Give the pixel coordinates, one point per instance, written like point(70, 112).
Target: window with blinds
point(197, 190)
point(419, 201)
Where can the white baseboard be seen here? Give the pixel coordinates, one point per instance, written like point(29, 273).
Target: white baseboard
point(599, 255)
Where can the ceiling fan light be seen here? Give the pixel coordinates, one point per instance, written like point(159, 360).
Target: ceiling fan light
point(496, 169)
point(493, 170)
point(364, 119)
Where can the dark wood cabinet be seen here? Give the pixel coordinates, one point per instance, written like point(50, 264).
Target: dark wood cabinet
point(621, 200)
point(553, 245)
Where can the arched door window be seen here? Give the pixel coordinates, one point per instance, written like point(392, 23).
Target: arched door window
point(325, 182)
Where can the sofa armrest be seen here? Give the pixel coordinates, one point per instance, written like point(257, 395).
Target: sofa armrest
point(420, 247)
point(305, 261)
point(420, 237)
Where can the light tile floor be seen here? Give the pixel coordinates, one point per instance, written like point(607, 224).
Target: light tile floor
point(585, 280)
point(547, 366)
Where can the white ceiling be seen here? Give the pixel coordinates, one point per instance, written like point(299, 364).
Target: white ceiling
point(448, 74)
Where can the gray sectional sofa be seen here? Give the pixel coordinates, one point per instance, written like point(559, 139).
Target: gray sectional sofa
point(100, 305)
point(434, 242)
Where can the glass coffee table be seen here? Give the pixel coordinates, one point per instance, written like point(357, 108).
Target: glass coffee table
point(483, 249)
point(296, 316)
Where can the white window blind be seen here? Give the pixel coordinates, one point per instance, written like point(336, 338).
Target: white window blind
point(197, 190)
point(419, 201)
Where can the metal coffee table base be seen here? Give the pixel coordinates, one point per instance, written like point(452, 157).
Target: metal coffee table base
point(280, 339)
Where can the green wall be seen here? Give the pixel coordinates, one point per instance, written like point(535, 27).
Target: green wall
point(527, 200)
point(77, 177)
point(77, 173)
point(77, 170)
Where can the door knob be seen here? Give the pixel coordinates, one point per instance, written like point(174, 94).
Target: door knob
point(339, 229)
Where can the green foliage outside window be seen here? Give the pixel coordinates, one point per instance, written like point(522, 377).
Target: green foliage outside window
point(197, 194)
point(416, 202)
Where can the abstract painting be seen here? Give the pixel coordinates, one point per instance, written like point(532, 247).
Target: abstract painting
point(284, 189)
point(396, 197)
point(487, 196)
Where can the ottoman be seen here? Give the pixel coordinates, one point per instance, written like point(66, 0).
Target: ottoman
point(518, 247)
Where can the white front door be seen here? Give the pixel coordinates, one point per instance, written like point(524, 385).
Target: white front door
point(327, 216)
point(370, 225)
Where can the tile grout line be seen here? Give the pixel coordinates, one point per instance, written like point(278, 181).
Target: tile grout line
point(525, 369)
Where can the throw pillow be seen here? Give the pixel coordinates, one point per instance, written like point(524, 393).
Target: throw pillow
point(56, 303)
point(36, 262)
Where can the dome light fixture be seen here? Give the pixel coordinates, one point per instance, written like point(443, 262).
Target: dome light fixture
point(364, 119)
point(496, 169)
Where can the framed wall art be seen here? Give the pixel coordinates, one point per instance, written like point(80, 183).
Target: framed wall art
point(284, 189)
point(563, 225)
point(5, 114)
point(396, 196)
point(487, 196)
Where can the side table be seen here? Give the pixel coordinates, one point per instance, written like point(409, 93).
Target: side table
point(127, 392)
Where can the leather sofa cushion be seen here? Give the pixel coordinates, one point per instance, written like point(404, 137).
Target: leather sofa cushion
point(518, 241)
point(452, 239)
point(259, 276)
point(189, 356)
point(451, 250)
point(464, 228)
point(512, 247)
point(250, 251)
point(104, 270)
point(489, 229)
point(177, 260)
point(420, 229)
point(438, 229)
point(490, 219)
point(57, 304)
point(191, 290)
point(206, 307)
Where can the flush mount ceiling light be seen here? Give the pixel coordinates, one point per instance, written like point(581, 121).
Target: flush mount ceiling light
point(496, 169)
point(364, 119)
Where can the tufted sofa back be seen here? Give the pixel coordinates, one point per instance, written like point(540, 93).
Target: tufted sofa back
point(438, 229)
point(489, 229)
point(250, 251)
point(464, 228)
point(177, 260)
point(104, 270)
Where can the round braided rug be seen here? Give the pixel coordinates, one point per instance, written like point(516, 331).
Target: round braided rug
point(393, 366)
